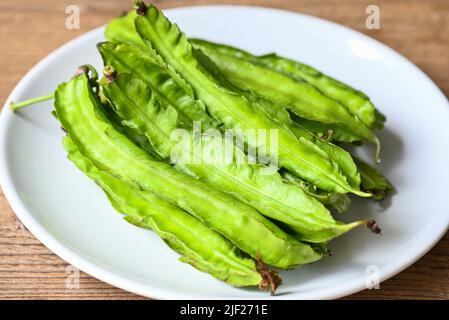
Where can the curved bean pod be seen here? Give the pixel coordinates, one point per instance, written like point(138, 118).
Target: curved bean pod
point(300, 97)
point(81, 115)
point(235, 110)
point(355, 100)
point(269, 194)
point(373, 181)
point(199, 246)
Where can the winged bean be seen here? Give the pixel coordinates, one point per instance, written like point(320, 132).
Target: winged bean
point(337, 201)
point(300, 97)
point(355, 100)
point(279, 200)
point(199, 246)
point(373, 181)
point(115, 32)
point(233, 109)
point(81, 115)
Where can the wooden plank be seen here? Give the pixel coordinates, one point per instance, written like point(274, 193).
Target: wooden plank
point(32, 29)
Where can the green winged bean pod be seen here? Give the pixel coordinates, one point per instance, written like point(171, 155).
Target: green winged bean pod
point(338, 155)
point(373, 181)
point(355, 100)
point(80, 113)
point(233, 109)
point(121, 29)
point(277, 111)
point(332, 133)
point(340, 202)
point(169, 88)
point(133, 101)
point(198, 245)
point(300, 97)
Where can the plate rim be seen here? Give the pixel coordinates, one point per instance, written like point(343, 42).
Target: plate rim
point(147, 289)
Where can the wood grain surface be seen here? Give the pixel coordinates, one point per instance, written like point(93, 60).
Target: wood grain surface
point(30, 29)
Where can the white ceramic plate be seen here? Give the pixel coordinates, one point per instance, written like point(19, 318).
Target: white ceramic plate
point(70, 215)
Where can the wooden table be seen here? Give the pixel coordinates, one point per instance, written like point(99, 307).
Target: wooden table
point(30, 29)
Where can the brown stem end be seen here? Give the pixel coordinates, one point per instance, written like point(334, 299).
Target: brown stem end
point(270, 278)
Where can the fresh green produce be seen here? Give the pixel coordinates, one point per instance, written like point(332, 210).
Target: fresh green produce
point(122, 29)
point(373, 181)
point(340, 202)
point(329, 132)
point(168, 87)
point(300, 97)
point(356, 101)
point(198, 245)
point(217, 199)
point(336, 154)
point(134, 63)
point(234, 110)
point(133, 101)
point(80, 114)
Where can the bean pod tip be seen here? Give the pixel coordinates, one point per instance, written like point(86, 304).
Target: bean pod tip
point(270, 278)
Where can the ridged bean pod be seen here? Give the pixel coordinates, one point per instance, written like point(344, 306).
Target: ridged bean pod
point(356, 101)
point(233, 109)
point(300, 97)
point(198, 245)
point(372, 181)
point(80, 114)
point(133, 101)
point(169, 88)
point(122, 30)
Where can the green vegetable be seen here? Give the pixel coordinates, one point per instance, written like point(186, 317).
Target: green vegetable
point(234, 110)
point(340, 202)
point(199, 246)
point(206, 191)
point(168, 87)
point(373, 181)
point(121, 29)
point(114, 32)
point(300, 97)
point(133, 101)
point(356, 101)
point(80, 113)
point(337, 154)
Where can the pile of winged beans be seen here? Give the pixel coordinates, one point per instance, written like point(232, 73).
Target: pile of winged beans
point(239, 221)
